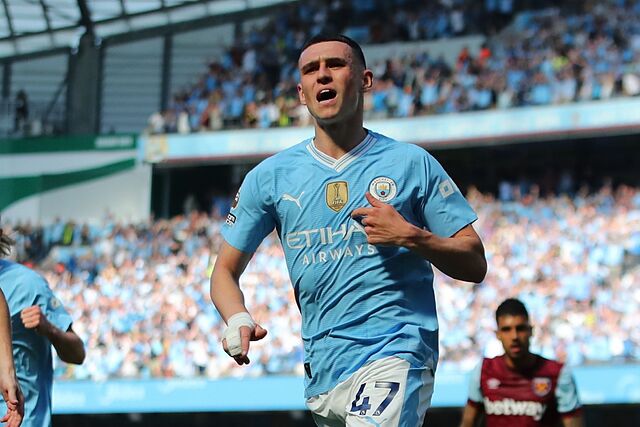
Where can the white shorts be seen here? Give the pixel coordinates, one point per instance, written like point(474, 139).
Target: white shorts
point(386, 393)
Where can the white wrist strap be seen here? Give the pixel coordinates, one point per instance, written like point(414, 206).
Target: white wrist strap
point(232, 333)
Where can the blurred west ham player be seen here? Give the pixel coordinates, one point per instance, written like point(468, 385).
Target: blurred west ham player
point(361, 218)
point(38, 321)
point(520, 388)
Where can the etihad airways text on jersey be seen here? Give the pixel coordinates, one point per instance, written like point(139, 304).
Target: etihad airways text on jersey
point(328, 236)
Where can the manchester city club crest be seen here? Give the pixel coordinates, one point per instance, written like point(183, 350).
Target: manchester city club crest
point(383, 188)
point(541, 386)
point(337, 195)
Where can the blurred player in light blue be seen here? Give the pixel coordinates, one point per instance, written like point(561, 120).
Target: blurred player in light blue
point(361, 218)
point(9, 386)
point(38, 321)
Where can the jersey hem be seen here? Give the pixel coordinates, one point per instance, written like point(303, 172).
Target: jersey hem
point(311, 392)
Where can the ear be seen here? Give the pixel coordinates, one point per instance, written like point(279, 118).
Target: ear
point(367, 80)
point(301, 97)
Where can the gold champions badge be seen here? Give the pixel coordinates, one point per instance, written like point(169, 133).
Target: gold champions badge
point(337, 195)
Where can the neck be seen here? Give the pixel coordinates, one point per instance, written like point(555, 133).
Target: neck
point(337, 139)
point(521, 364)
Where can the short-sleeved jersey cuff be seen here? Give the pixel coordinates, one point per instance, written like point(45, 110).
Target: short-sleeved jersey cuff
point(238, 246)
point(474, 403)
point(61, 322)
point(453, 228)
point(573, 413)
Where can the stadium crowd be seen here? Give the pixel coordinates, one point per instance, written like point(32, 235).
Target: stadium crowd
point(576, 51)
point(140, 292)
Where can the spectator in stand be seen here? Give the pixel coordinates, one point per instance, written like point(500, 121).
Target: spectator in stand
point(21, 115)
point(588, 53)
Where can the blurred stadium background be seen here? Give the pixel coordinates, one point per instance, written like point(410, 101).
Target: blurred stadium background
point(127, 125)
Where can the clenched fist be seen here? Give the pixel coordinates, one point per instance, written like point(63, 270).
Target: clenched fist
point(33, 318)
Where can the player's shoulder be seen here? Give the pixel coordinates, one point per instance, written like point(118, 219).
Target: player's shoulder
point(410, 154)
point(285, 158)
point(388, 143)
point(549, 366)
point(495, 360)
point(491, 363)
point(21, 275)
point(293, 153)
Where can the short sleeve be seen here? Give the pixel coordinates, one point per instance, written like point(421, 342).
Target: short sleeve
point(52, 308)
point(475, 390)
point(443, 207)
point(250, 219)
point(567, 392)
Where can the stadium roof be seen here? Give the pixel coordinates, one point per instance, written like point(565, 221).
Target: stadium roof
point(28, 26)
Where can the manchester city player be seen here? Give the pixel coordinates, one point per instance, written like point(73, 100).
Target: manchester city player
point(361, 218)
point(9, 386)
point(38, 321)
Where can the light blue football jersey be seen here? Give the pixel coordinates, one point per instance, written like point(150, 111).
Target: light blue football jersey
point(31, 352)
point(359, 302)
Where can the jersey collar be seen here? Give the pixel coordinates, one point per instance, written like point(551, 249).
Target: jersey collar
point(341, 164)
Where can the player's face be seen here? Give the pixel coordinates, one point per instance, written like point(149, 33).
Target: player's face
point(332, 81)
point(514, 332)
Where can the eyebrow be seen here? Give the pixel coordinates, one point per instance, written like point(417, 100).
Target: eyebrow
point(517, 327)
point(316, 62)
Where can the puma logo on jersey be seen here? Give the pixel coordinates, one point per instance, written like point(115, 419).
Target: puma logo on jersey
point(289, 198)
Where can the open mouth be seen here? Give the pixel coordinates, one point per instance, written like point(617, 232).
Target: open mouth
point(326, 95)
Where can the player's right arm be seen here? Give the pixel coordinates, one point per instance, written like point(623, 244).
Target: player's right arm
point(68, 344)
point(250, 220)
point(229, 301)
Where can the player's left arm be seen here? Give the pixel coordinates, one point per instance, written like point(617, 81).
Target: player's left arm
point(569, 404)
point(68, 344)
point(460, 256)
point(9, 386)
point(573, 420)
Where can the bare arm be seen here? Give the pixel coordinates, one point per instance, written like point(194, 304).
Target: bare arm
point(6, 352)
point(9, 386)
point(469, 416)
point(460, 256)
point(573, 421)
point(68, 344)
point(228, 298)
point(225, 281)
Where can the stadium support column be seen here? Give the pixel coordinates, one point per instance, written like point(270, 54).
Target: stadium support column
point(166, 193)
point(167, 53)
point(84, 86)
point(6, 80)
